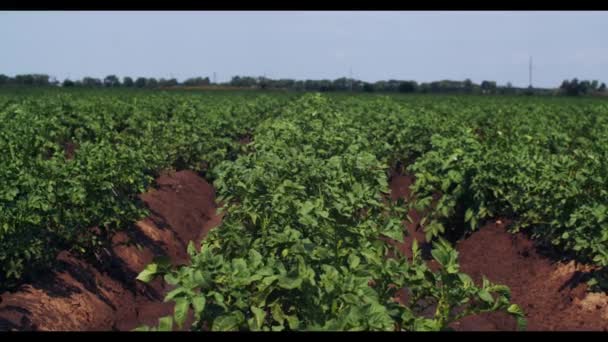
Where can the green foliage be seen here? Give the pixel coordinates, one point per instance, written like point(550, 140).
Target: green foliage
point(300, 241)
point(303, 243)
point(51, 200)
point(542, 165)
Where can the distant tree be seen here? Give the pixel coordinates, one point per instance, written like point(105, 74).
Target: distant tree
point(41, 80)
point(235, 81)
point(167, 83)
point(507, 89)
point(529, 91)
point(300, 85)
point(91, 82)
point(435, 87)
point(383, 86)
point(425, 88)
point(263, 82)
point(284, 83)
point(393, 85)
point(128, 82)
point(140, 82)
point(468, 86)
point(151, 82)
point(325, 85)
point(24, 80)
point(244, 81)
point(4, 79)
point(570, 87)
point(197, 81)
point(602, 87)
point(310, 85)
point(32, 80)
point(67, 83)
point(368, 87)
point(576, 87)
point(594, 85)
point(341, 84)
point(584, 87)
point(111, 81)
point(446, 86)
point(408, 87)
point(488, 87)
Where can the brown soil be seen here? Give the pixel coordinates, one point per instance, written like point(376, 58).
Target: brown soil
point(76, 295)
point(69, 149)
point(245, 139)
point(400, 188)
point(552, 294)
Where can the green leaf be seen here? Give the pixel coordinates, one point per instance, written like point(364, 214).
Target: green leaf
point(259, 316)
point(277, 313)
point(468, 215)
point(239, 265)
point(255, 258)
point(353, 261)
point(181, 310)
point(175, 293)
point(165, 324)
point(515, 310)
point(198, 303)
point(416, 252)
point(293, 322)
point(485, 296)
point(394, 230)
point(253, 216)
point(465, 279)
point(149, 273)
point(290, 283)
point(229, 322)
point(191, 249)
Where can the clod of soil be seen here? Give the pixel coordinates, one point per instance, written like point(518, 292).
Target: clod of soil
point(76, 295)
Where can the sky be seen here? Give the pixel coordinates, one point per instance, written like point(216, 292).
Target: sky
point(421, 46)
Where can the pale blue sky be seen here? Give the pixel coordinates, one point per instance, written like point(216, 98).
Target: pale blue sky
point(423, 46)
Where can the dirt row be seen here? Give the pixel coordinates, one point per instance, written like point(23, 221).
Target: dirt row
point(77, 295)
point(552, 294)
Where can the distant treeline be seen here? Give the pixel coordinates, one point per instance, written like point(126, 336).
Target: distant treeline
point(568, 87)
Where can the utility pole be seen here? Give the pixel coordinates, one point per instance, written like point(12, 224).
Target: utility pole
point(530, 72)
point(214, 78)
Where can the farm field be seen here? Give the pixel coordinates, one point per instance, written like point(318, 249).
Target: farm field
point(225, 210)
